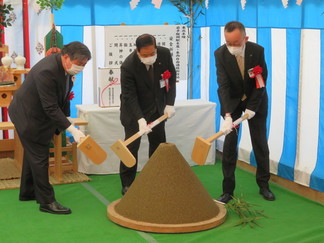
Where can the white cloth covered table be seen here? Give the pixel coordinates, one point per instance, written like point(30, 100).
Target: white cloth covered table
point(193, 118)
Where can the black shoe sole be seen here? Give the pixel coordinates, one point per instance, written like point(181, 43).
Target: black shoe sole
point(267, 198)
point(54, 212)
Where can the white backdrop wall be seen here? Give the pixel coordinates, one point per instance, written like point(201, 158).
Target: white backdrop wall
point(293, 38)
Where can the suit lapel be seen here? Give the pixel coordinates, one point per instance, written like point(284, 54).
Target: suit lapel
point(247, 59)
point(61, 79)
point(231, 60)
point(66, 88)
point(156, 71)
point(143, 72)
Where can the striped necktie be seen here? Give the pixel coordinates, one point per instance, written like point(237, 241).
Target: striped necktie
point(240, 62)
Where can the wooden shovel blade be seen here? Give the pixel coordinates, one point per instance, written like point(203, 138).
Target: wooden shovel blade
point(92, 150)
point(200, 150)
point(120, 149)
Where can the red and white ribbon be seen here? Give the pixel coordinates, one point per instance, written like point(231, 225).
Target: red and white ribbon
point(256, 73)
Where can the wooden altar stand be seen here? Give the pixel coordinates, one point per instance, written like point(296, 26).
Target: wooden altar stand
point(59, 163)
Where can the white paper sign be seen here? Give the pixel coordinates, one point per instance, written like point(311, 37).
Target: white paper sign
point(120, 42)
point(109, 87)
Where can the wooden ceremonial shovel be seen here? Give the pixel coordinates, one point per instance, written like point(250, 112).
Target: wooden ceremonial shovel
point(201, 148)
point(92, 150)
point(120, 147)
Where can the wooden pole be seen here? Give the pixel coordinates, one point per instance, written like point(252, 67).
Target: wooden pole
point(190, 66)
point(4, 110)
point(26, 32)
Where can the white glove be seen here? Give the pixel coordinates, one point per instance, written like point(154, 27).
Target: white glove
point(76, 133)
point(227, 125)
point(169, 110)
point(143, 127)
point(250, 113)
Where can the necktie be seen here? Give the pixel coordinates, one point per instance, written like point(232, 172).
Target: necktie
point(151, 74)
point(240, 63)
point(67, 85)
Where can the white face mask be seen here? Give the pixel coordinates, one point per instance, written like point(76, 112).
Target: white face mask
point(75, 69)
point(148, 60)
point(236, 50)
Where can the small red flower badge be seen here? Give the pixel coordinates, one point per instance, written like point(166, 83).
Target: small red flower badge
point(71, 95)
point(165, 76)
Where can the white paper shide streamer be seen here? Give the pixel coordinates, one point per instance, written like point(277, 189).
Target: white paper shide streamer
point(133, 4)
point(157, 3)
point(243, 2)
point(299, 2)
point(285, 3)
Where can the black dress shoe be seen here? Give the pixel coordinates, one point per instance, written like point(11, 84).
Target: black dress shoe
point(124, 190)
point(54, 208)
point(225, 198)
point(267, 194)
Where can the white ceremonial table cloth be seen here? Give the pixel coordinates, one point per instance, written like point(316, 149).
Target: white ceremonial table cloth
point(193, 118)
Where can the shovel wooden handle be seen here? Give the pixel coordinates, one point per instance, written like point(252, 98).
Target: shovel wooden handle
point(242, 118)
point(150, 125)
point(214, 137)
point(220, 133)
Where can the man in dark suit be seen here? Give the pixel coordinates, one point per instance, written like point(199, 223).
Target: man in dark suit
point(39, 109)
point(145, 96)
point(239, 93)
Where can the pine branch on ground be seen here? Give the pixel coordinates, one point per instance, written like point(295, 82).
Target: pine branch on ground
point(246, 212)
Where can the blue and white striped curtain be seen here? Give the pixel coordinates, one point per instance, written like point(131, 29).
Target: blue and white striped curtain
point(295, 61)
point(293, 39)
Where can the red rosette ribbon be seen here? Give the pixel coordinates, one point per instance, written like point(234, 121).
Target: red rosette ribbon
point(256, 73)
point(165, 76)
point(71, 95)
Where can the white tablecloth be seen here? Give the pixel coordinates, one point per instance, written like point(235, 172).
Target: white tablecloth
point(193, 118)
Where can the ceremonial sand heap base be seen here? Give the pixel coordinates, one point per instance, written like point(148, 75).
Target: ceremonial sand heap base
point(167, 197)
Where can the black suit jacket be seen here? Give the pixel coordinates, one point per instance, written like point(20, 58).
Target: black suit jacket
point(40, 106)
point(139, 96)
point(231, 85)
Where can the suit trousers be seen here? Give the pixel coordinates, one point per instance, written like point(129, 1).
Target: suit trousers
point(257, 127)
point(34, 178)
point(157, 136)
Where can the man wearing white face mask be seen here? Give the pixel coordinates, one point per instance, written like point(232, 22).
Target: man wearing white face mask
point(39, 109)
point(239, 93)
point(148, 89)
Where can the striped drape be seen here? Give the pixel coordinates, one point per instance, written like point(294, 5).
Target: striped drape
point(293, 39)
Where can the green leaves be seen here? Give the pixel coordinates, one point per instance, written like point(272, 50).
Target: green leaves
point(189, 8)
point(247, 214)
point(5, 11)
point(5, 18)
point(50, 4)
